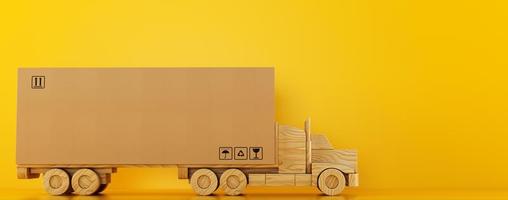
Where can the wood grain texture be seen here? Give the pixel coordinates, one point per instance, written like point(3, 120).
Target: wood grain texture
point(280, 180)
point(56, 182)
point(72, 170)
point(331, 182)
point(183, 172)
point(353, 180)
point(303, 180)
point(22, 172)
point(85, 182)
point(320, 142)
point(307, 125)
point(219, 171)
point(257, 179)
point(292, 153)
point(104, 173)
point(343, 157)
point(26, 173)
point(277, 143)
point(233, 182)
point(308, 147)
point(317, 168)
point(204, 182)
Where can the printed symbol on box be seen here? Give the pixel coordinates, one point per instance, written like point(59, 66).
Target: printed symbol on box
point(38, 82)
point(225, 153)
point(241, 153)
point(256, 153)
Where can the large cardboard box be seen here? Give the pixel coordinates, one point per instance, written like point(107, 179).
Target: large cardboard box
point(146, 116)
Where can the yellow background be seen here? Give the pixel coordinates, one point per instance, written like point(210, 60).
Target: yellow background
point(419, 88)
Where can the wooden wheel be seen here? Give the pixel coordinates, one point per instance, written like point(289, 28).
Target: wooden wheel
point(56, 182)
point(204, 182)
point(85, 182)
point(331, 181)
point(233, 181)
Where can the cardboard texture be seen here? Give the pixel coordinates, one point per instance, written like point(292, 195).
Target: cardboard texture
point(145, 116)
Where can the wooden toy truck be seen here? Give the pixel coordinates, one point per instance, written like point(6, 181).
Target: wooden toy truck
point(216, 125)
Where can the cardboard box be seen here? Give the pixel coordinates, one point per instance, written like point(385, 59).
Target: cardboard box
point(145, 116)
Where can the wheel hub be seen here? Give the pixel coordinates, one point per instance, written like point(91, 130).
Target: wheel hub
point(233, 181)
point(204, 182)
point(332, 182)
point(55, 182)
point(84, 182)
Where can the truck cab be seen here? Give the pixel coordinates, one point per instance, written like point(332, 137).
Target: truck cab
point(304, 159)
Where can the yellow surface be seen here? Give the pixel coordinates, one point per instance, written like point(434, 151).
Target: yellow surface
point(418, 87)
point(264, 193)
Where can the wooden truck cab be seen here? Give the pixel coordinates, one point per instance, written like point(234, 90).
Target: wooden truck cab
point(307, 159)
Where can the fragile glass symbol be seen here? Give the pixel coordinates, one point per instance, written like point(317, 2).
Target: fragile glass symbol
point(256, 151)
